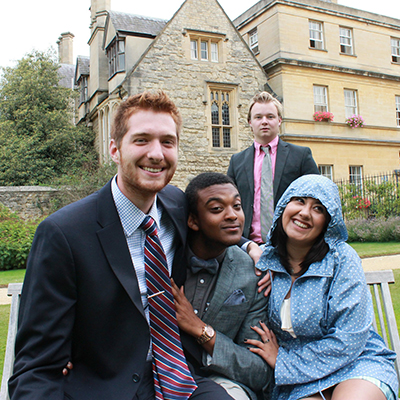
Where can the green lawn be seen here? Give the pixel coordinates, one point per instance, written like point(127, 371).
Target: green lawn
point(4, 316)
point(13, 276)
point(376, 249)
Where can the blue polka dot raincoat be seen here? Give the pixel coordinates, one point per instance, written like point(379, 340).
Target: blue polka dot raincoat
point(331, 310)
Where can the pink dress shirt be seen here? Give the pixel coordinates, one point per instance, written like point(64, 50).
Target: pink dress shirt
point(255, 233)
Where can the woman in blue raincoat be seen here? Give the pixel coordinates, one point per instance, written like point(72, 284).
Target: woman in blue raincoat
point(320, 339)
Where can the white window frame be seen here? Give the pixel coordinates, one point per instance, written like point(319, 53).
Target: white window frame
point(326, 170)
point(253, 41)
point(350, 102)
point(320, 98)
point(316, 33)
point(355, 175)
point(194, 50)
point(205, 48)
point(398, 111)
point(214, 52)
point(346, 40)
point(395, 44)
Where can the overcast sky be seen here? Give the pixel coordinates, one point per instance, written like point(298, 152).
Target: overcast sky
point(26, 24)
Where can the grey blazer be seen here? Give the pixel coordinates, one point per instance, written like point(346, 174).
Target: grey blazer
point(234, 308)
point(291, 162)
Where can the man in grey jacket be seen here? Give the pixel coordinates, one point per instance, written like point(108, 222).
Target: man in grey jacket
point(220, 302)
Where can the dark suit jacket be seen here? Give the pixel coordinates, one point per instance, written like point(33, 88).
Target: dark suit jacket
point(81, 302)
point(235, 307)
point(291, 162)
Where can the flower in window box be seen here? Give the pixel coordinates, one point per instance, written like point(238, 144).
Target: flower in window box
point(355, 121)
point(323, 116)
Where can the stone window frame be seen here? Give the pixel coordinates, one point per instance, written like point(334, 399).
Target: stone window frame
point(105, 115)
point(346, 39)
point(320, 99)
point(116, 57)
point(205, 46)
point(315, 29)
point(397, 102)
point(232, 90)
point(350, 107)
point(83, 89)
point(395, 46)
point(326, 170)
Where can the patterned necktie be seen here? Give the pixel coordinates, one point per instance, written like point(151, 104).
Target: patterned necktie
point(267, 194)
point(172, 378)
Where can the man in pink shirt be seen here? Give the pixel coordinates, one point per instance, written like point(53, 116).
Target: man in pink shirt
point(288, 162)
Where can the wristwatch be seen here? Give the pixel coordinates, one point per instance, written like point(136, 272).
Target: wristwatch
point(207, 334)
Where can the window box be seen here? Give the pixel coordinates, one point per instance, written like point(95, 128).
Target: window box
point(323, 116)
point(355, 121)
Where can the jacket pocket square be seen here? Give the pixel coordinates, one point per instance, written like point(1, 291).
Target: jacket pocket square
point(237, 297)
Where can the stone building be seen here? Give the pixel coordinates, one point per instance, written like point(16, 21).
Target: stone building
point(198, 58)
point(323, 56)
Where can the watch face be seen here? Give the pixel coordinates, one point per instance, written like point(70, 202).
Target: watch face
point(209, 331)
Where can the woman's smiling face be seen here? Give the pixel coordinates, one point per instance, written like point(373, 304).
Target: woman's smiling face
point(303, 220)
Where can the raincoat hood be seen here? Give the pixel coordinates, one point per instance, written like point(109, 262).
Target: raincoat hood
point(324, 190)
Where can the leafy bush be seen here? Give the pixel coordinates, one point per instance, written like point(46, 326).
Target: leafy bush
point(75, 187)
point(16, 237)
point(380, 200)
point(374, 230)
point(39, 141)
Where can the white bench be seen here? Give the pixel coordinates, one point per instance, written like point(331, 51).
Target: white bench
point(14, 290)
point(378, 280)
point(385, 321)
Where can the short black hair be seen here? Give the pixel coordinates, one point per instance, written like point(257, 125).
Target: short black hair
point(203, 181)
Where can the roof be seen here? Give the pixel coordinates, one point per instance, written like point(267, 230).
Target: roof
point(138, 24)
point(82, 67)
point(66, 72)
point(83, 63)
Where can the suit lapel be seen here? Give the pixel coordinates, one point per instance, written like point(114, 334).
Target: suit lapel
point(113, 242)
point(248, 166)
point(176, 209)
point(281, 156)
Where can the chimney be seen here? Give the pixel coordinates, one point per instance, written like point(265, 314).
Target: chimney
point(98, 9)
point(65, 48)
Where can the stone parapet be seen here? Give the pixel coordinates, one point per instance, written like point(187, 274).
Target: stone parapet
point(29, 202)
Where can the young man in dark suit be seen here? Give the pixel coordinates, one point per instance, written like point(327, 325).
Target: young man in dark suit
point(86, 294)
point(288, 162)
point(220, 302)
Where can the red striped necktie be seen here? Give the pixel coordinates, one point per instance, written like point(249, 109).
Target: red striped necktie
point(172, 378)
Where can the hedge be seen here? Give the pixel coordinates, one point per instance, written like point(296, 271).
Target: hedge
point(16, 237)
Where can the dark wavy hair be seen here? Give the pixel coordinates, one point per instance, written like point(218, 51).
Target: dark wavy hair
point(317, 252)
point(203, 181)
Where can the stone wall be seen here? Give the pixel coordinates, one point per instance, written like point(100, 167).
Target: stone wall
point(30, 202)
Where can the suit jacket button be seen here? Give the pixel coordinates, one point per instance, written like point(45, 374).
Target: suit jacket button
point(136, 378)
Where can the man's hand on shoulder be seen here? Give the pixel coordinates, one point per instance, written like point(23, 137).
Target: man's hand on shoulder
point(254, 251)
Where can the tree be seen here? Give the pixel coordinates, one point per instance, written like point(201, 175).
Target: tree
point(38, 142)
